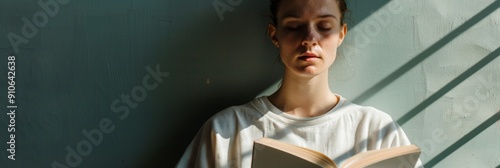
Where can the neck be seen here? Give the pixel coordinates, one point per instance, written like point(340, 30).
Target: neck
point(304, 96)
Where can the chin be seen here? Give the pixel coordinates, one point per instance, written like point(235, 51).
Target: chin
point(310, 71)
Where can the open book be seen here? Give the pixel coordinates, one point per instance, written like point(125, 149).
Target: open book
point(273, 153)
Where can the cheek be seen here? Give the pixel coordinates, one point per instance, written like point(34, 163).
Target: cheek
point(289, 39)
point(289, 45)
point(330, 47)
point(329, 43)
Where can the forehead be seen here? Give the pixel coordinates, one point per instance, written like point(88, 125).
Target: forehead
point(308, 8)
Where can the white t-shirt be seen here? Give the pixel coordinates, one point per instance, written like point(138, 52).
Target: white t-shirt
point(226, 139)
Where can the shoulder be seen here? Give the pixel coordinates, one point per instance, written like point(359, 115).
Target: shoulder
point(243, 111)
point(366, 113)
point(235, 116)
point(376, 127)
point(368, 119)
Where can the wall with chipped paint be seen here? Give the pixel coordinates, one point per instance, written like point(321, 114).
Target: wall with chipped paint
point(431, 65)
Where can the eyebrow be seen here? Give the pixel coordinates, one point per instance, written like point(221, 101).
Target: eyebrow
point(328, 15)
point(296, 16)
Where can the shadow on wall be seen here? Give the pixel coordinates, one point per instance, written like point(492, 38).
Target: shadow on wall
point(445, 89)
point(462, 141)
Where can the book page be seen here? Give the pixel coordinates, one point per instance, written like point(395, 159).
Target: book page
point(272, 158)
point(404, 161)
point(400, 157)
point(273, 153)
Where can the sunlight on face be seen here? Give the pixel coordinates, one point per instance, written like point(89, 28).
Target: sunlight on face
point(308, 33)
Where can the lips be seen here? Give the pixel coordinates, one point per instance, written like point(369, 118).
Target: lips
point(309, 56)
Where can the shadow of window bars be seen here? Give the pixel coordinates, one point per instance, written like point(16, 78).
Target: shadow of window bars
point(483, 126)
point(426, 53)
point(455, 82)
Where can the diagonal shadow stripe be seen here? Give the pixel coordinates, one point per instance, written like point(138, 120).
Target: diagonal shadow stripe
point(426, 53)
point(361, 11)
point(441, 92)
point(463, 140)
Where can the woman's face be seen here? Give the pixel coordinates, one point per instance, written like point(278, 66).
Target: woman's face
point(307, 34)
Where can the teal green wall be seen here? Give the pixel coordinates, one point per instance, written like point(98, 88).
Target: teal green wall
point(433, 66)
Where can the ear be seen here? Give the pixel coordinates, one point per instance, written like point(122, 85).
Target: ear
point(271, 31)
point(342, 34)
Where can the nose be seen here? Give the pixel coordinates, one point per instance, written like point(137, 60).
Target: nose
point(310, 38)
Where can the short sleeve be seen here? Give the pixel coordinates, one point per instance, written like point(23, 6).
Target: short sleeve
point(200, 152)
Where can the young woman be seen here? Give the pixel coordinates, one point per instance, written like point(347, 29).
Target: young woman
point(303, 111)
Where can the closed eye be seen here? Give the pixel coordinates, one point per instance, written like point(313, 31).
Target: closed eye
point(293, 27)
point(325, 26)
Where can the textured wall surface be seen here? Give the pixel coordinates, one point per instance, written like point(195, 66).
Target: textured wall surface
point(128, 83)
